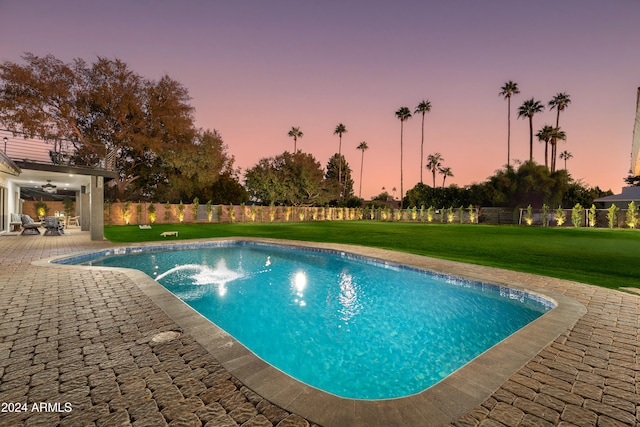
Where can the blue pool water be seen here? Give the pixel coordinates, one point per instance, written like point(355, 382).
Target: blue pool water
point(349, 325)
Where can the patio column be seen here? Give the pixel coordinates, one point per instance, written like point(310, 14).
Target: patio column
point(96, 194)
point(85, 209)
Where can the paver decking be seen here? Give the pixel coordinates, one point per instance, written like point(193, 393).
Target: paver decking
point(79, 343)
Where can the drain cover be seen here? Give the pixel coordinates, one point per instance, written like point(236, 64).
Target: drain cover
point(165, 336)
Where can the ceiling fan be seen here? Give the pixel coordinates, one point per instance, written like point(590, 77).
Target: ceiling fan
point(49, 187)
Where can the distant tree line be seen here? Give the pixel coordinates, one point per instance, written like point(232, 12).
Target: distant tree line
point(529, 184)
point(160, 155)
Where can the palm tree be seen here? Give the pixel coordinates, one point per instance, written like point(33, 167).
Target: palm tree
point(529, 108)
point(424, 107)
point(565, 155)
point(403, 114)
point(544, 135)
point(559, 102)
point(509, 89)
point(556, 134)
point(295, 133)
point(434, 162)
point(362, 147)
point(445, 173)
point(340, 129)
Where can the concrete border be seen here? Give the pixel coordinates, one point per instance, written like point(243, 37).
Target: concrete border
point(442, 403)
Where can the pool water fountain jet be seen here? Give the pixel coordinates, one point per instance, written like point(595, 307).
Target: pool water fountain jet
point(205, 275)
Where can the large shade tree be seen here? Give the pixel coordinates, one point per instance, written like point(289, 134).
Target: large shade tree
point(338, 191)
point(423, 108)
point(403, 114)
point(509, 89)
point(530, 108)
point(105, 110)
point(287, 179)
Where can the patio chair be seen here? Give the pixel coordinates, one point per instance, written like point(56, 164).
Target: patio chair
point(74, 220)
point(29, 226)
point(53, 226)
point(16, 222)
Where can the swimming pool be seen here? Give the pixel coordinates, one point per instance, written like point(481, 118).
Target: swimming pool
point(372, 330)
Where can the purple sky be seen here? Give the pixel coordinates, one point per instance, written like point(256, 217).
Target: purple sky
point(257, 68)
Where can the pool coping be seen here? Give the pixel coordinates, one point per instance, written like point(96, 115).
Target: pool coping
point(442, 403)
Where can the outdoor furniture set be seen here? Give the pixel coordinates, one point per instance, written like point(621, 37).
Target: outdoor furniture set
point(52, 225)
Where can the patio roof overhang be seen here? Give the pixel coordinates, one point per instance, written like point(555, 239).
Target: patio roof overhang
point(67, 179)
point(8, 166)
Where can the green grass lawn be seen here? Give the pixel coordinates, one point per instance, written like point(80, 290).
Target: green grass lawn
point(603, 257)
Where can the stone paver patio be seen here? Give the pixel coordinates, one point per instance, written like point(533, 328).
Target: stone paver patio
point(79, 343)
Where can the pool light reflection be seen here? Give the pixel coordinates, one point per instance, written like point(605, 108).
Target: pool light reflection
point(299, 283)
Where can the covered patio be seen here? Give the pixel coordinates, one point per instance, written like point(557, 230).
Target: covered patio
point(33, 169)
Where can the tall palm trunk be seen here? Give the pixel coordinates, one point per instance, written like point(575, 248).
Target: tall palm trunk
point(401, 187)
point(422, 148)
point(546, 153)
point(531, 138)
point(361, 166)
point(554, 143)
point(340, 166)
point(508, 130)
point(401, 172)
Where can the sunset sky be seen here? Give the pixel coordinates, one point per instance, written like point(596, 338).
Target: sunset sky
point(255, 68)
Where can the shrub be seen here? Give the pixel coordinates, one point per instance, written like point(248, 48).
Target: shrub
point(42, 209)
point(632, 219)
point(559, 216)
point(181, 212)
point(577, 213)
point(592, 216)
point(139, 212)
point(612, 216)
point(450, 215)
point(195, 207)
point(68, 205)
point(472, 214)
point(126, 214)
point(528, 217)
point(545, 215)
point(209, 208)
point(232, 213)
point(430, 213)
point(167, 211)
point(151, 211)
